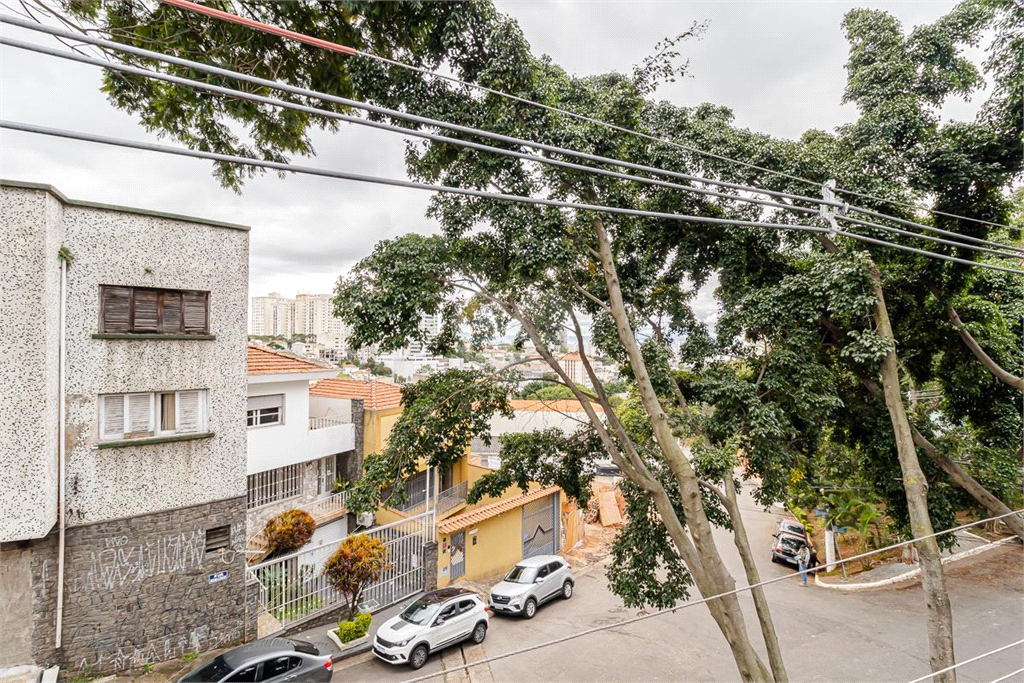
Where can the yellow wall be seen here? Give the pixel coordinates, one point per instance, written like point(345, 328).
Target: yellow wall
point(474, 472)
point(377, 426)
point(499, 545)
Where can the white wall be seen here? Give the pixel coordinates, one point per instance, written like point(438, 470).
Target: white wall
point(535, 420)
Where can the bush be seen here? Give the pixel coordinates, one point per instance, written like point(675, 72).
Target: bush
point(358, 562)
point(357, 628)
point(289, 531)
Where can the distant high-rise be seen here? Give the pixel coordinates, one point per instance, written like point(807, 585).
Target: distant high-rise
point(309, 314)
point(271, 316)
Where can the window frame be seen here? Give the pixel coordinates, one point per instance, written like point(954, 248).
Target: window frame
point(202, 423)
point(218, 529)
point(160, 328)
point(255, 414)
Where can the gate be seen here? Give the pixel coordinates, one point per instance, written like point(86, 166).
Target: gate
point(458, 554)
point(540, 527)
point(292, 589)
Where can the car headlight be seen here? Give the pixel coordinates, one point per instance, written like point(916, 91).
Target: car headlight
point(403, 643)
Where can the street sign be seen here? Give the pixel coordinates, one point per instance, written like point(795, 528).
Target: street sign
point(219, 576)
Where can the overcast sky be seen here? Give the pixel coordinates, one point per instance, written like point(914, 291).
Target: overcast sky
point(778, 65)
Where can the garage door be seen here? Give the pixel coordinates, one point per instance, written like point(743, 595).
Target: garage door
point(540, 527)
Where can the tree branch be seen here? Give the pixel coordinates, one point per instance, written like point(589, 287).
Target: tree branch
point(997, 371)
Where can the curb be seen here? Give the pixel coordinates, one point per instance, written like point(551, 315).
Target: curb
point(910, 575)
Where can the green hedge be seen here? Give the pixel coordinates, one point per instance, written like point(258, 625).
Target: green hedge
point(350, 630)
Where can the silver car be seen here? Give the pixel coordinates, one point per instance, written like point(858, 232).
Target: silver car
point(531, 583)
point(273, 659)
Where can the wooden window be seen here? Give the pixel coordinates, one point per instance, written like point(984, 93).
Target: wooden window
point(136, 416)
point(142, 310)
point(218, 538)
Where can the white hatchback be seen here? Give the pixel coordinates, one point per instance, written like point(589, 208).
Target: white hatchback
point(434, 621)
point(531, 583)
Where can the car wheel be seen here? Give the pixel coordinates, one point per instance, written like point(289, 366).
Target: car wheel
point(530, 608)
point(775, 558)
point(418, 657)
point(479, 633)
point(567, 590)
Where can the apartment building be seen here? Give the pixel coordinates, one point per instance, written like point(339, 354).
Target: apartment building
point(297, 447)
point(122, 514)
point(307, 314)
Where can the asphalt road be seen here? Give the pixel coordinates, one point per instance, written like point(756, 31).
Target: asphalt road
point(825, 635)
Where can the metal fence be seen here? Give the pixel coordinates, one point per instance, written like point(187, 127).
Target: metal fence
point(449, 498)
point(293, 588)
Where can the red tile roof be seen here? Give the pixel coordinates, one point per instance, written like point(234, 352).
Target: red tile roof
point(375, 395)
point(571, 356)
point(264, 361)
point(468, 519)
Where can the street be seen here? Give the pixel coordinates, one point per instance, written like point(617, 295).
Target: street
point(825, 635)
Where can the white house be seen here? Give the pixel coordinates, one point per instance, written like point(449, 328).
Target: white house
point(296, 451)
point(122, 462)
point(566, 415)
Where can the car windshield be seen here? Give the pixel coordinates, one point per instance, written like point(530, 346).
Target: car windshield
point(521, 574)
point(792, 543)
point(214, 670)
point(421, 611)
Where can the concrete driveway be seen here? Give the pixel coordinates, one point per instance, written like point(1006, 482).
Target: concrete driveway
point(825, 635)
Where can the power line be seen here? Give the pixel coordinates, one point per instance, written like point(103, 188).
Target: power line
point(1007, 676)
point(448, 140)
point(668, 610)
point(967, 661)
point(444, 124)
point(343, 175)
point(344, 49)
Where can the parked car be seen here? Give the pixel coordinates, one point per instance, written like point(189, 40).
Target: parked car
point(531, 583)
point(786, 546)
point(433, 622)
point(788, 526)
point(274, 659)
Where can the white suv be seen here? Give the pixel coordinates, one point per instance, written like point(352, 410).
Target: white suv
point(435, 621)
point(531, 583)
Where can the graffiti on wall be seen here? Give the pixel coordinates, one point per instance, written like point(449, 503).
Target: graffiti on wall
point(119, 560)
point(129, 656)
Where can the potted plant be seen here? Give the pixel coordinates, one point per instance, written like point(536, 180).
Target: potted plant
point(358, 562)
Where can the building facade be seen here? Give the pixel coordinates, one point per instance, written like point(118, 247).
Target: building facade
point(125, 376)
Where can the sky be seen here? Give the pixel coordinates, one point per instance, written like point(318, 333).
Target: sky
point(778, 65)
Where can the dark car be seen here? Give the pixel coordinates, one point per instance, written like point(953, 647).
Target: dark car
point(273, 659)
point(786, 547)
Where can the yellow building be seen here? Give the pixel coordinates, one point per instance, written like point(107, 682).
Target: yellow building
point(382, 404)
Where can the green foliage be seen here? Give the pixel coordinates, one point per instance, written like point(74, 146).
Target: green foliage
point(358, 562)
point(190, 656)
point(289, 531)
point(355, 628)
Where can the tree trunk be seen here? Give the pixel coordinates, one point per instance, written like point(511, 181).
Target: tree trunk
point(764, 616)
point(726, 610)
point(997, 371)
point(940, 614)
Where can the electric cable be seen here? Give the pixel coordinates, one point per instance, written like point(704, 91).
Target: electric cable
point(307, 170)
point(668, 610)
point(462, 129)
point(1007, 676)
point(344, 49)
point(967, 661)
point(230, 92)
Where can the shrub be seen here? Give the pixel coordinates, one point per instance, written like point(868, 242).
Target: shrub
point(357, 628)
point(358, 562)
point(289, 531)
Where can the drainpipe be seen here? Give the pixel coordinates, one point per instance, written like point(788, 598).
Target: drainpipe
point(61, 454)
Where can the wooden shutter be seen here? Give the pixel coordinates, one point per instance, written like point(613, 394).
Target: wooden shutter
point(170, 308)
point(196, 312)
point(115, 309)
point(144, 311)
point(190, 411)
point(140, 414)
point(112, 423)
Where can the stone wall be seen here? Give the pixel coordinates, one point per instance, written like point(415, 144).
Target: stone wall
point(354, 461)
point(15, 604)
point(430, 566)
point(141, 589)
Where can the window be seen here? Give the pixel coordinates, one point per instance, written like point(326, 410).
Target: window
point(248, 674)
point(274, 485)
point(140, 415)
point(218, 538)
point(278, 666)
point(138, 310)
point(326, 474)
point(465, 606)
point(264, 410)
point(554, 567)
point(544, 571)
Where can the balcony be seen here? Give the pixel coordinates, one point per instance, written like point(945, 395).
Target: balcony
point(449, 499)
point(322, 510)
point(326, 422)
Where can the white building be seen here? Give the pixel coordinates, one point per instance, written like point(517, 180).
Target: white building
point(309, 314)
point(572, 365)
point(415, 359)
point(566, 415)
point(123, 449)
point(296, 451)
point(271, 316)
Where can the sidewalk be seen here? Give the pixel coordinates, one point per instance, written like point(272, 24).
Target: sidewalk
point(318, 635)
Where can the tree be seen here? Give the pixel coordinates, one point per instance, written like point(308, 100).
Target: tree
point(289, 531)
point(358, 562)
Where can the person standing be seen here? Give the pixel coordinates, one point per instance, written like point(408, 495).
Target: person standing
point(803, 558)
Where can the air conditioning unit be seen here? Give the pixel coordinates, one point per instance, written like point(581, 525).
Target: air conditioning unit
point(366, 519)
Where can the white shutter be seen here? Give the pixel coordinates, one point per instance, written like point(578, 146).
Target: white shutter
point(190, 412)
point(112, 416)
point(140, 413)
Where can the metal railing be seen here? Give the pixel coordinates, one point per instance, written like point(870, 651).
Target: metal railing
point(452, 497)
point(293, 588)
point(327, 507)
point(333, 421)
